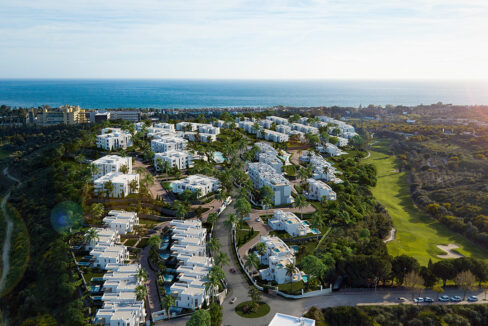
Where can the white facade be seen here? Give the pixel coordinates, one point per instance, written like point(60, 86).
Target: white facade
point(289, 222)
point(333, 150)
point(165, 126)
point(197, 136)
point(272, 160)
point(114, 138)
point(280, 319)
point(121, 221)
point(248, 127)
point(196, 182)
point(263, 174)
point(274, 136)
point(120, 182)
point(285, 129)
point(181, 159)
point(105, 237)
point(190, 249)
point(277, 256)
point(105, 255)
point(304, 128)
point(111, 163)
point(168, 143)
point(277, 120)
point(318, 189)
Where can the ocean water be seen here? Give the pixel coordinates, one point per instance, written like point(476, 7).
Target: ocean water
point(236, 93)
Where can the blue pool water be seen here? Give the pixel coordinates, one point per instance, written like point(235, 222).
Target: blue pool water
point(97, 298)
point(95, 288)
point(167, 288)
point(166, 238)
point(84, 263)
point(315, 231)
point(305, 278)
point(168, 277)
point(218, 157)
point(164, 245)
point(164, 255)
point(295, 248)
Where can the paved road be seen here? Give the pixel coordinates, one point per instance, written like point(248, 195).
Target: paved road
point(151, 284)
point(9, 229)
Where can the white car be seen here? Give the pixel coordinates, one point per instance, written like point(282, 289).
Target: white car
point(234, 299)
point(258, 219)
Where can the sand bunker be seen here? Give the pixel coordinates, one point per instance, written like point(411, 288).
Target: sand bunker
point(449, 249)
point(391, 237)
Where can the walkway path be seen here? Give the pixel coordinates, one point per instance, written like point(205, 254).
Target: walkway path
point(8, 237)
point(152, 282)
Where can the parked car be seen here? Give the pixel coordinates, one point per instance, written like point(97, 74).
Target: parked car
point(232, 270)
point(473, 298)
point(444, 298)
point(456, 298)
point(258, 219)
point(428, 300)
point(418, 300)
point(234, 299)
point(402, 299)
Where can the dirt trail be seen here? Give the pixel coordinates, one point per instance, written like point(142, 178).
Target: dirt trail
point(8, 237)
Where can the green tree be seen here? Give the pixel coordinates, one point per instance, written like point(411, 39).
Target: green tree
point(314, 266)
point(124, 169)
point(167, 303)
point(141, 275)
point(221, 259)
point(91, 235)
point(231, 221)
point(255, 296)
point(200, 318)
point(212, 218)
point(252, 261)
point(180, 208)
point(261, 248)
point(141, 292)
point(243, 207)
point(267, 197)
point(317, 221)
point(95, 210)
point(290, 271)
point(109, 188)
point(216, 314)
point(300, 202)
point(154, 242)
point(213, 245)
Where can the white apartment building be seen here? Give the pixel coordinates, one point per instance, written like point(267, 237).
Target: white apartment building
point(121, 314)
point(318, 189)
point(114, 138)
point(168, 143)
point(105, 255)
point(274, 136)
point(304, 128)
point(165, 126)
point(181, 159)
point(265, 123)
point(272, 160)
point(289, 222)
point(277, 256)
point(208, 129)
point(121, 221)
point(248, 126)
point(105, 237)
point(138, 126)
point(285, 129)
point(190, 249)
point(111, 163)
point(333, 150)
point(197, 136)
point(196, 182)
point(342, 141)
point(277, 120)
point(266, 148)
point(120, 182)
point(263, 174)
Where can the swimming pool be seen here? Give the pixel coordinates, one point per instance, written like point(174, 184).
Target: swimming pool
point(84, 263)
point(315, 231)
point(166, 238)
point(164, 245)
point(305, 278)
point(164, 255)
point(218, 157)
point(295, 248)
point(167, 289)
point(95, 288)
point(168, 277)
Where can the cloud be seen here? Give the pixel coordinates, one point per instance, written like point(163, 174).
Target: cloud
point(241, 39)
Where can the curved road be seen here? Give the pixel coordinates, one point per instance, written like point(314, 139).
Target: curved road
point(8, 237)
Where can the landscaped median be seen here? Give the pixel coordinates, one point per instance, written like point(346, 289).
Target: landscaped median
point(245, 309)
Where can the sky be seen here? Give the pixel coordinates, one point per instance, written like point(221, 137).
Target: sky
point(233, 39)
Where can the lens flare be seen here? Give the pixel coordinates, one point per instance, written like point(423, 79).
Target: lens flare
point(67, 217)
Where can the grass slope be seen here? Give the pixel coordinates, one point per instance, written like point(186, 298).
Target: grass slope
point(417, 233)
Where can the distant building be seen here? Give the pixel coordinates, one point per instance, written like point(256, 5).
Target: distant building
point(277, 120)
point(262, 174)
point(318, 189)
point(68, 115)
point(181, 159)
point(274, 136)
point(195, 183)
point(168, 143)
point(111, 163)
point(120, 183)
point(121, 221)
point(114, 138)
point(289, 222)
point(277, 256)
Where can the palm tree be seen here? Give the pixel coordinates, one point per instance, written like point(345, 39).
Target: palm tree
point(141, 292)
point(91, 234)
point(154, 242)
point(133, 186)
point(180, 208)
point(231, 221)
point(221, 259)
point(124, 169)
point(141, 275)
point(212, 218)
point(290, 271)
point(212, 283)
point(300, 203)
point(109, 188)
point(252, 261)
point(261, 248)
point(168, 302)
point(316, 221)
point(303, 174)
point(214, 245)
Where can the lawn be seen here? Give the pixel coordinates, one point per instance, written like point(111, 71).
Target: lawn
point(263, 309)
point(417, 233)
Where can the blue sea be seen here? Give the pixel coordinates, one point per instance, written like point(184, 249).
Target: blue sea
point(105, 93)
